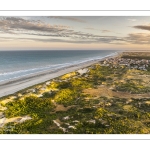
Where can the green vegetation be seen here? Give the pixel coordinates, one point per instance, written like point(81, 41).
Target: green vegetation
point(32, 106)
point(67, 97)
point(64, 107)
point(136, 57)
point(80, 83)
point(132, 86)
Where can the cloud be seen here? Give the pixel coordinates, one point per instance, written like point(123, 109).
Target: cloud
point(105, 31)
point(82, 41)
point(43, 32)
point(40, 31)
point(90, 28)
point(143, 27)
point(30, 27)
point(133, 20)
point(100, 39)
point(132, 38)
point(138, 38)
point(15, 25)
point(68, 18)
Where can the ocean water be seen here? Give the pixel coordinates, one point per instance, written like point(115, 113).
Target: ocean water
point(16, 64)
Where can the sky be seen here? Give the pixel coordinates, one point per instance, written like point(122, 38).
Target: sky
point(75, 33)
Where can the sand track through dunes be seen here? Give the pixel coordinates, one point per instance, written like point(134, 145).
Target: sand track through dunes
point(106, 92)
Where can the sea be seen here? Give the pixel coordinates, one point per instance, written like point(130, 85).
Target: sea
point(16, 64)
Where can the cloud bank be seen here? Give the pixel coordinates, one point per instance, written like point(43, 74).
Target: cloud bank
point(143, 27)
point(68, 18)
point(34, 30)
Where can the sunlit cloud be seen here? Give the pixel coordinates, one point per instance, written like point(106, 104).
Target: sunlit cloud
point(143, 27)
point(90, 28)
point(40, 29)
point(71, 30)
point(105, 31)
point(133, 20)
point(138, 38)
point(14, 25)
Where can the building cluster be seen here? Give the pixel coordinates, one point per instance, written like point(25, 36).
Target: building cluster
point(140, 64)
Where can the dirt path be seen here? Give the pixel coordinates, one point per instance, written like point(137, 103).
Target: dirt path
point(104, 91)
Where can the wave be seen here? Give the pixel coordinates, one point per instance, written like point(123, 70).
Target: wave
point(21, 73)
point(33, 69)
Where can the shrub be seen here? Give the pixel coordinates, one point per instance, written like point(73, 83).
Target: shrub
point(67, 96)
point(30, 105)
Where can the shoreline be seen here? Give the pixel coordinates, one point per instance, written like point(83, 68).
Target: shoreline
point(14, 85)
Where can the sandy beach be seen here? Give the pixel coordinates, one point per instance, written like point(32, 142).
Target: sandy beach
point(12, 86)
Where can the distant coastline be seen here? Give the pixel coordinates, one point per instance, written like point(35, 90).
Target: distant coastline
point(15, 85)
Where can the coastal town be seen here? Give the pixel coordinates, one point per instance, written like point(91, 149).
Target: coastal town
point(142, 64)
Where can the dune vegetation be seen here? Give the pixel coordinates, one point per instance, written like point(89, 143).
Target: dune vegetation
point(106, 99)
